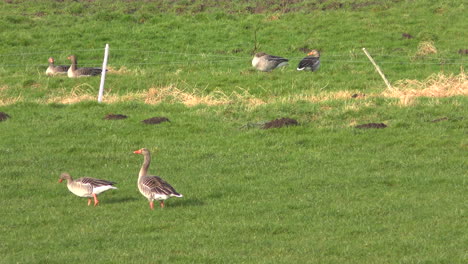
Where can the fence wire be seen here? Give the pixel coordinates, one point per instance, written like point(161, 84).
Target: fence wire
point(154, 57)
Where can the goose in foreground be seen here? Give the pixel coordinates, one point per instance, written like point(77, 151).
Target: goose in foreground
point(265, 62)
point(153, 187)
point(54, 70)
point(311, 62)
point(87, 187)
point(74, 71)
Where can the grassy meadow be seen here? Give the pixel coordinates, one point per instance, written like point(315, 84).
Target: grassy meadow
point(320, 192)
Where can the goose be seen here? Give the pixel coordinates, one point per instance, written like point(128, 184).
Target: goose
point(54, 70)
point(74, 71)
point(87, 187)
point(311, 62)
point(153, 187)
point(265, 62)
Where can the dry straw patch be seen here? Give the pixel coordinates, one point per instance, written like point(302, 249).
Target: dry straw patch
point(315, 98)
point(438, 85)
point(77, 94)
point(426, 48)
point(175, 95)
point(122, 70)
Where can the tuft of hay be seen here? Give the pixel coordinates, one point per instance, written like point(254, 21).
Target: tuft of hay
point(437, 85)
point(122, 70)
point(175, 95)
point(426, 48)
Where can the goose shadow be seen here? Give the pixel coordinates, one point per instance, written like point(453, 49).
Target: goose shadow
point(188, 202)
point(121, 200)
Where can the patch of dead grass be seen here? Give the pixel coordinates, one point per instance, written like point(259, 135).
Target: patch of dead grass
point(438, 85)
point(121, 71)
point(426, 48)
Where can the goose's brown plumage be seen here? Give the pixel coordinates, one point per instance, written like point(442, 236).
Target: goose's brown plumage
point(87, 187)
point(74, 71)
point(153, 187)
point(56, 69)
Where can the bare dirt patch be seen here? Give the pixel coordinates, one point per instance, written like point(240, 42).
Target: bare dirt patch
point(114, 117)
point(3, 116)
point(155, 120)
point(281, 122)
point(371, 125)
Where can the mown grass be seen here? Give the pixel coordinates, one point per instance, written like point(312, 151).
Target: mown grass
point(320, 192)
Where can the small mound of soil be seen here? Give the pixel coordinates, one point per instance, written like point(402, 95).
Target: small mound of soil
point(281, 122)
point(358, 95)
point(372, 125)
point(3, 116)
point(406, 35)
point(114, 117)
point(155, 120)
point(463, 51)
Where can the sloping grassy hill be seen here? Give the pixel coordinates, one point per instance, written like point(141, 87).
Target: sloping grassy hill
point(208, 50)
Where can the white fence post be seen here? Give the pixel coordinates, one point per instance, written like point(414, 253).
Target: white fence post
point(103, 74)
point(389, 86)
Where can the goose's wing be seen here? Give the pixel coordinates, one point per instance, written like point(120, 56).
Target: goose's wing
point(276, 59)
point(309, 62)
point(88, 71)
point(157, 185)
point(94, 182)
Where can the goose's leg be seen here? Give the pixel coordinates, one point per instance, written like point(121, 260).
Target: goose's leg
point(152, 205)
point(96, 201)
point(161, 203)
point(89, 201)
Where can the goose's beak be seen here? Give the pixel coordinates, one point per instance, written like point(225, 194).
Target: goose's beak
point(60, 180)
point(137, 151)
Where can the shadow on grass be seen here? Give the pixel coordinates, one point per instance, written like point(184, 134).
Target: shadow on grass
point(186, 202)
point(121, 200)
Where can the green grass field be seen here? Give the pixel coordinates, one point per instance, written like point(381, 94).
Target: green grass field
point(320, 192)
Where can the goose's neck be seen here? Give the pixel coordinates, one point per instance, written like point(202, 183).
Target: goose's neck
point(70, 181)
point(145, 166)
point(73, 65)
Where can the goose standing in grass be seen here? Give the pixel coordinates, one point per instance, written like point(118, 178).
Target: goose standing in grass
point(74, 71)
point(265, 62)
point(54, 70)
point(87, 187)
point(153, 187)
point(311, 62)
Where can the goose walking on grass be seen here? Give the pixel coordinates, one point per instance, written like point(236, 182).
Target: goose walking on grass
point(54, 70)
point(87, 187)
point(311, 62)
point(74, 71)
point(266, 63)
point(153, 187)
